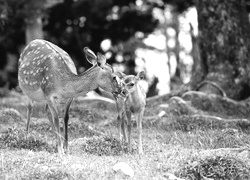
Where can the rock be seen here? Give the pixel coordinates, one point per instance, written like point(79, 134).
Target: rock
point(170, 176)
point(77, 167)
point(244, 154)
point(124, 168)
point(161, 114)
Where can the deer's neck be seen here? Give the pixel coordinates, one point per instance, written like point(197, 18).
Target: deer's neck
point(81, 84)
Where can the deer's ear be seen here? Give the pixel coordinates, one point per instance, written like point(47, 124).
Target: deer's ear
point(120, 74)
point(90, 56)
point(141, 75)
point(101, 59)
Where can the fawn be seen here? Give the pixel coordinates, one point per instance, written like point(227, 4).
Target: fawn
point(46, 73)
point(134, 102)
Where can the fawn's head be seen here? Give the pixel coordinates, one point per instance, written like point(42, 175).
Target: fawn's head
point(129, 82)
point(106, 79)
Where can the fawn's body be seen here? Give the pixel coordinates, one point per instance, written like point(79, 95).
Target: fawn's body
point(133, 103)
point(47, 74)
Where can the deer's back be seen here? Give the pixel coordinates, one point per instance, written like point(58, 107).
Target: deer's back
point(42, 67)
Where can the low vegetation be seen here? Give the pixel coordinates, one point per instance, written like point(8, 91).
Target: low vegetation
point(215, 167)
point(183, 145)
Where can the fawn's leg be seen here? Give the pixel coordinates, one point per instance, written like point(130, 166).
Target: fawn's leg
point(119, 119)
point(66, 120)
point(124, 127)
point(29, 112)
point(55, 118)
point(128, 113)
point(139, 127)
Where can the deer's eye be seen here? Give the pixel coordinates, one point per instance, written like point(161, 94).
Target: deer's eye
point(131, 84)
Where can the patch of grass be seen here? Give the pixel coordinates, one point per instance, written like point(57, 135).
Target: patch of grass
point(105, 145)
point(55, 174)
point(187, 123)
point(215, 167)
point(41, 126)
point(19, 139)
point(204, 122)
point(76, 128)
point(208, 139)
point(10, 115)
point(80, 129)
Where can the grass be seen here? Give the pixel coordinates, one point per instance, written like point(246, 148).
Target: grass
point(189, 153)
point(18, 139)
point(180, 153)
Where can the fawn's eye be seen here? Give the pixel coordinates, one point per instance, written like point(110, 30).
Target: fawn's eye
point(115, 79)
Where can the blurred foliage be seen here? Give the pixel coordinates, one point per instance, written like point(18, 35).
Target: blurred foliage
point(75, 24)
point(180, 5)
point(13, 16)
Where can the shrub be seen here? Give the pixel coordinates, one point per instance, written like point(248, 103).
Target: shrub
point(104, 145)
point(10, 115)
point(215, 167)
point(19, 139)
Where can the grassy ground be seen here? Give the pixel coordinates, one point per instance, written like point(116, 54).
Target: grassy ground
point(198, 153)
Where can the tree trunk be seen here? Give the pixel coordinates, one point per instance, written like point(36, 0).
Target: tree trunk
point(199, 70)
point(34, 28)
point(224, 46)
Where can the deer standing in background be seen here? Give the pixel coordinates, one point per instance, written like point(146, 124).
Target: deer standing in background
point(134, 102)
point(46, 73)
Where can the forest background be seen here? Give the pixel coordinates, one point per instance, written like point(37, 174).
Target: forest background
point(196, 57)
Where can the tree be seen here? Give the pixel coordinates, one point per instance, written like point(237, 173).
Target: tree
point(221, 49)
point(20, 22)
point(224, 44)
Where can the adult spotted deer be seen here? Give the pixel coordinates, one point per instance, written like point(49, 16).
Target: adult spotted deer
point(47, 74)
point(134, 102)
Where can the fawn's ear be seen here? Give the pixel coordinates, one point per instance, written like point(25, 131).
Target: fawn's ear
point(101, 59)
point(120, 74)
point(90, 56)
point(141, 75)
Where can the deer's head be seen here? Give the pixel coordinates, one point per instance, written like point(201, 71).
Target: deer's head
point(107, 79)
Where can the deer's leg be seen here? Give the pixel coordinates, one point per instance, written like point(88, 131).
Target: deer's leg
point(129, 126)
point(66, 120)
point(139, 127)
point(29, 112)
point(55, 118)
point(50, 117)
point(120, 111)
